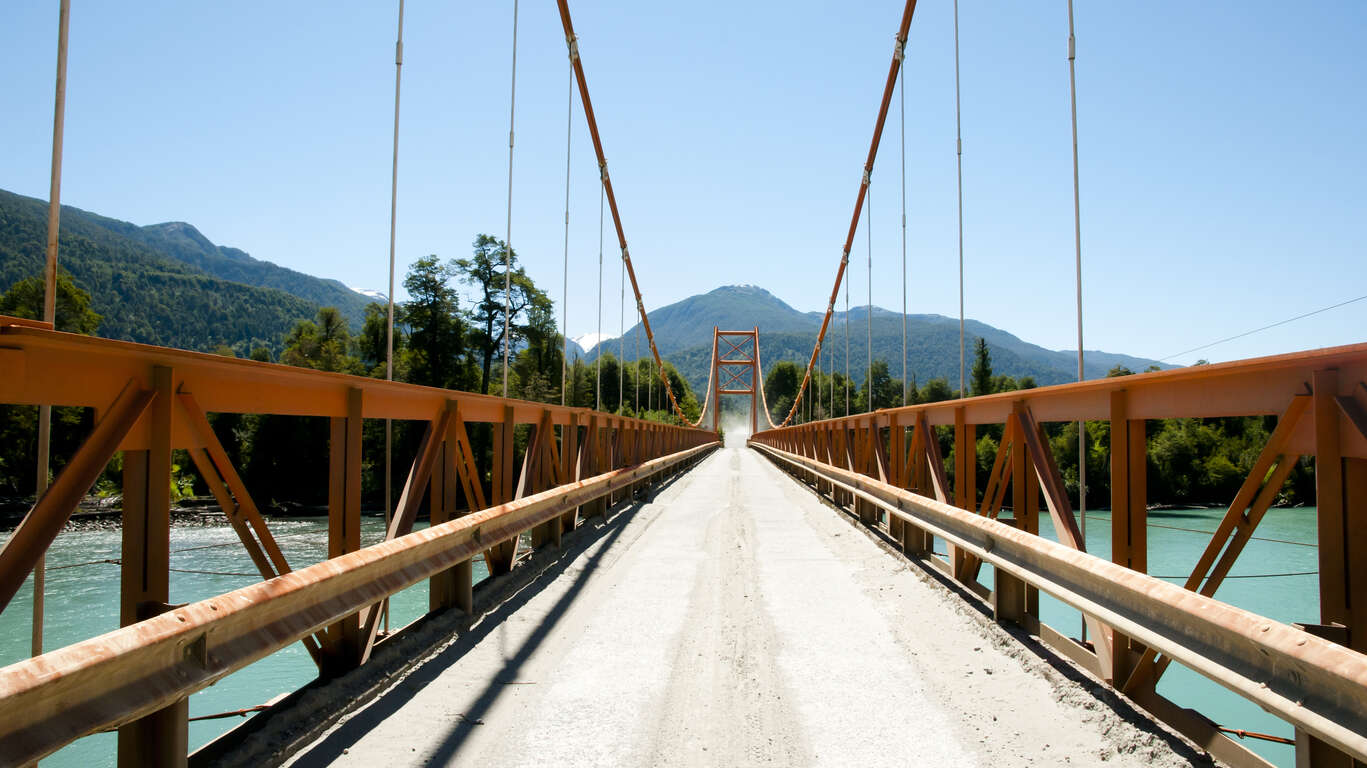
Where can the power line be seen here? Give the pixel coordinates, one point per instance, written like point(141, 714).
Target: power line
point(1264, 328)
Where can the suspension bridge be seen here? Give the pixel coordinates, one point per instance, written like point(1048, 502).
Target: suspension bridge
point(804, 592)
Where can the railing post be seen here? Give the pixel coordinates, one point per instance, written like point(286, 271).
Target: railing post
point(965, 481)
point(590, 459)
point(1009, 594)
point(161, 738)
point(1024, 502)
point(569, 452)
point(1129, 516)
point(897, 464)
point(864, 465)
point(346, 646)
point(1341, 501)
point(501, 556)
point(448, 589)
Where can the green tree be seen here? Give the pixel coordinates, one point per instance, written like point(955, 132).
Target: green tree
point(372, 341)
point(936, 390)
point(538, 366)
point(982, 369)
point(780, 388)
point(74, 315)
point(436, 337)
point(485, 273)
point(19, 424)
point(322, 344)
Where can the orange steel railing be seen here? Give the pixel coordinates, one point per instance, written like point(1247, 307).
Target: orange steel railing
point(888, 469)
point(151, 400)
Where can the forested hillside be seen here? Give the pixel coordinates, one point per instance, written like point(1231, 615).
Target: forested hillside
point(185, 243)
point(143, 294)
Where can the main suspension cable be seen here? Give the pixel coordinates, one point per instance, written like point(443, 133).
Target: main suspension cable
point(888, 87)
point(612, 200)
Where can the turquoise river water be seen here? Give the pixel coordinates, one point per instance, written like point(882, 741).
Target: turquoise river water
point(1275, 577)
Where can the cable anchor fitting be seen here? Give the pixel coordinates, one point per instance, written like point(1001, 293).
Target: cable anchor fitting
point(899, 51)
point(573, 43)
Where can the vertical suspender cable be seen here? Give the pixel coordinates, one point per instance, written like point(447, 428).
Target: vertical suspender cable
point(902, 92)
point(598, 360)
point(508, 243)
point(54, 218)
point(1077, 241)
point(389, 321)
point(565, 289)
point(959, 153)
point(868, 316)
point(621, 333)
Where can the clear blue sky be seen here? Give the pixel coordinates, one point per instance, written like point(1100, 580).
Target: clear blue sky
point(1221, 144)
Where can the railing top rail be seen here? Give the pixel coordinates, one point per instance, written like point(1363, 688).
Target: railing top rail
point(46, 367)
point(1256, 386)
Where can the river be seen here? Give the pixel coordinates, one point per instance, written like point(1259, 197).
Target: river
point(1275, 577)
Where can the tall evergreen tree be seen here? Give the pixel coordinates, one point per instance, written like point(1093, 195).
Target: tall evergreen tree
point(485, 273)
point(436, 330)
point(982, 369)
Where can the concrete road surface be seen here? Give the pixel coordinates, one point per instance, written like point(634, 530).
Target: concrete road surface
point(737, 620)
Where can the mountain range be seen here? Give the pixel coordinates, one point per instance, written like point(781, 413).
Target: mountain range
point(168, 284)
point(683, 333)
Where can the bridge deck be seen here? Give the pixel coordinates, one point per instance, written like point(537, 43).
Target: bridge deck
point(736, 620)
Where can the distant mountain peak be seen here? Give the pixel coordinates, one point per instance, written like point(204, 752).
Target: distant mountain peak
point(370, 293)
point(183, 231)
point(745, 289)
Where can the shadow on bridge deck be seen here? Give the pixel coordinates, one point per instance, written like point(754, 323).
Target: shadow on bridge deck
point(525, 584)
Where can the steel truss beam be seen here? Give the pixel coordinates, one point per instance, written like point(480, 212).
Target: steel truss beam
point(119, 677)
point(1328, 381)
point(1318, 685)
